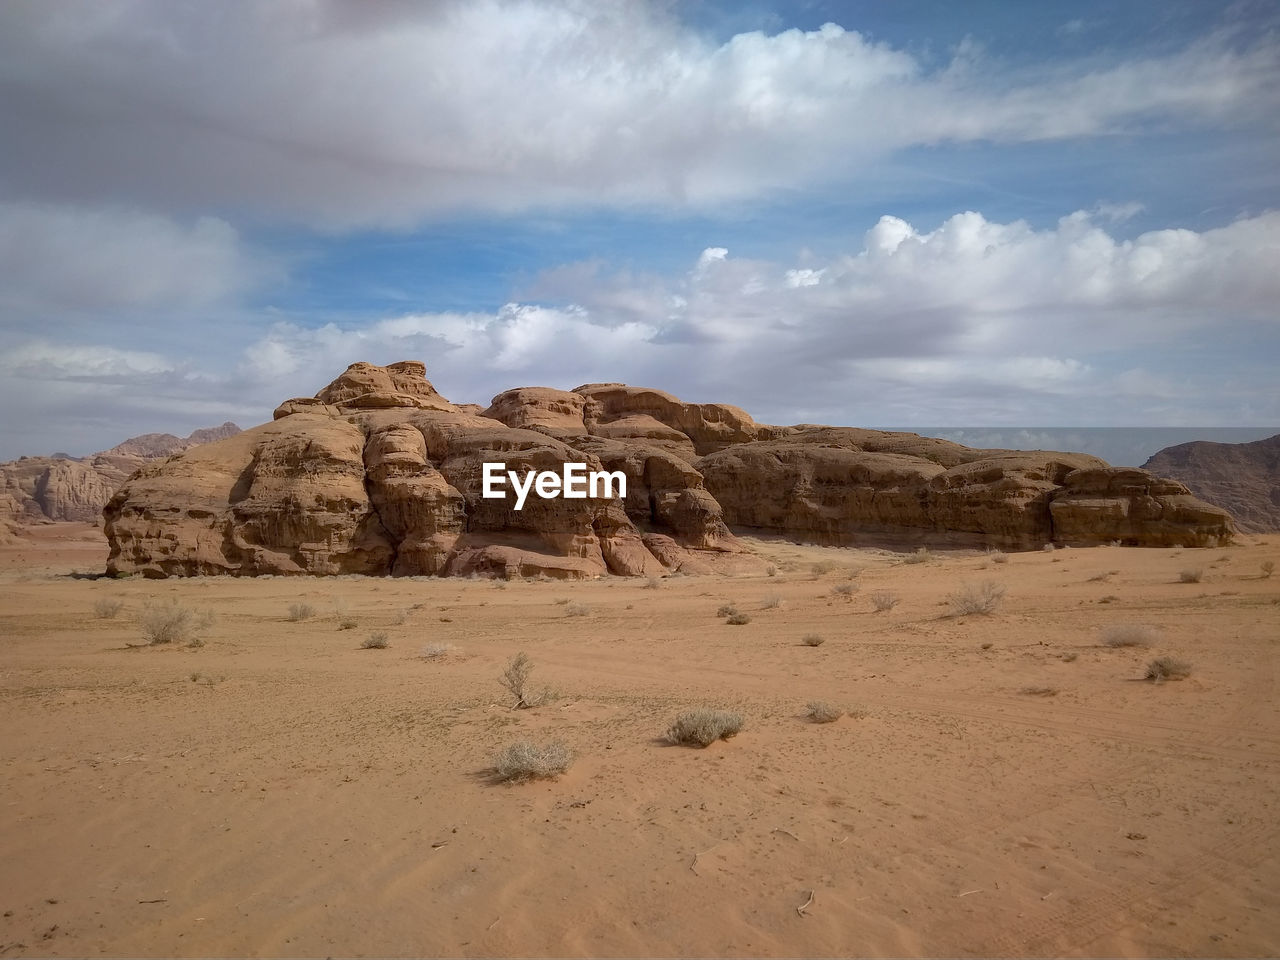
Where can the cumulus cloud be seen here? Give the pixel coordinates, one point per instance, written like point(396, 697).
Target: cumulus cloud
point(375, 114)
point(971, 322)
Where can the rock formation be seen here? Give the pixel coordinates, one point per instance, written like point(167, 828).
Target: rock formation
point(379, 474)
point(1244, 478)
point(34, 489)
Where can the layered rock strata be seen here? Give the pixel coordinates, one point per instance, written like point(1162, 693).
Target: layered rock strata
point(379, 474)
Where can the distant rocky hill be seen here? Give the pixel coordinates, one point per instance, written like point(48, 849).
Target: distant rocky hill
point(379, 474)
point(60, 487)
point(1243, 478)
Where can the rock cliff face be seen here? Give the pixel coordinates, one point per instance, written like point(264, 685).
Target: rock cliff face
point(1242, 477)
point(63, 488)
point(379, 474)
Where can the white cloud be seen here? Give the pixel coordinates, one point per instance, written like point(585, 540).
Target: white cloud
point(973, 321)
point(345, 114)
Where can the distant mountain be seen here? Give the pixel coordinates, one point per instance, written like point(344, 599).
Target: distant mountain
point(59, 487)
point(1243, 478)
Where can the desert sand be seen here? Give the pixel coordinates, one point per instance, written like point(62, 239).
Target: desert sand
point(1007, 785)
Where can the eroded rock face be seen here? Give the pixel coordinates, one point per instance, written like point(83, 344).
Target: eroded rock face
point(379, 474)
point(36, 489)
point(1243, 478)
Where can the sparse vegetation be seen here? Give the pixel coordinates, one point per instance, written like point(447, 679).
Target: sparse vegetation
point(921, 555)
point(884, 600)
point(1049, 548)
point(1070, 656)
point(170, 623)
point(376, 641)
point(1130, 635)
point(106, 609)
point(1100, 577)
point(844, 589)
point(1268, 568)
point(1167, 668)
point(771, 570)
point(1040, 691)
point(983, 598)
point(653, 583)
point(704, 727)
point(727, 610)
point(516, 679)
point(771, 602)
point(997, 556)
point(738, 619)
point(576, 610)
point(820, 711)
point(1191, 575)
point(301, 611)
point(435, 651)
point(812, 640)
point(822, 568)
point(346, 622)
point(525, 760)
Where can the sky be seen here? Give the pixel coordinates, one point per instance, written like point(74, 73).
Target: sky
point(876, 214)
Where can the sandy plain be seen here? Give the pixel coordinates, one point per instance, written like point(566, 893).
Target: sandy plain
point(280, 791)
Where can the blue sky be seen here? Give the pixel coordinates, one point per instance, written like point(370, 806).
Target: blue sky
point(907, 213)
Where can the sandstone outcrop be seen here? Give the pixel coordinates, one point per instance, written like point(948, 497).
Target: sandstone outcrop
point(1243, 478)
point(379, 474)
point(36, 489)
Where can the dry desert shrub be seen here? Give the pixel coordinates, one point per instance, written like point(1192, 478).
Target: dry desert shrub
point(820, 711)
point(997, 556)
point(516, 679)
point(1192, 575)
point(884, 600)
point(1130, 635)
point(436, 651)
point(1039, 691)
point(983, 598)
point(771, 602)
point(727, 610)
point(653, 583)
point(301, 611)
point(1268, 568)
point(170, 623)
point(1070, 656)
point(844, 589)
point(576, 610)
point(822, 568)
point(738, 619)
point(525, 760)
point(376, 641)
point(812, 640)
point(1048, 548)
point(347, 623)
point(771, 570)
point(921, 555)
point(1167, 668)
point(107, 609)
point(703, 727)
